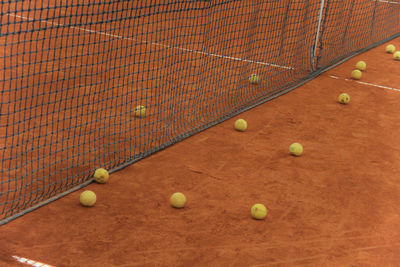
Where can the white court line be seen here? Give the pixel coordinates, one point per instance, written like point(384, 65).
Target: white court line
point(157, 44)
point(31, 262)
point(369, 84)
point(389, 2)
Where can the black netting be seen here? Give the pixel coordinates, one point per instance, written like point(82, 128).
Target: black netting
point(72, 73)
point(349, 26)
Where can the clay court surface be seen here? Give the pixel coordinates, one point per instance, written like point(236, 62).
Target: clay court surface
point(336, 205)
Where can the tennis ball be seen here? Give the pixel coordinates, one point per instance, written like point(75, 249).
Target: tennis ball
point(361, 65)
point(344, 98)
point(258, 211)
point(296, 149)
point(140, 111)
point(178, 200)
point(356, 74)
point(88, 198)
point(101, 176)
point(254, 78)
point(396, 55)
point(240, 125)
point(390, 49)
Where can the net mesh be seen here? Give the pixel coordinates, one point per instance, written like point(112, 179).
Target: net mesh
point(73, 72)
point(350, 26)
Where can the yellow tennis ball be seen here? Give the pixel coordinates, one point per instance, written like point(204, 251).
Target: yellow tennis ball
point(240, 125)
point(356, 74)
point(254, 78)
point(258, 211)
point(101, 176)
point(361, 65)
point(296, 149)
point(396, 55)
point(140, 111)
point(344, 98)
point(390, 49)
point(178, 200)
point(88, 198)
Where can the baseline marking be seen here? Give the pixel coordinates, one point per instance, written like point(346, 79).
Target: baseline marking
point(153, 43)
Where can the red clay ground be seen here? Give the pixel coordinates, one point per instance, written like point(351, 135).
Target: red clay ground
point(337, 205)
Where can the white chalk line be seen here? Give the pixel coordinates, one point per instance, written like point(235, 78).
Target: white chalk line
point(389, 2)
point(31, 262)
point(156, 44)
point(368, 84)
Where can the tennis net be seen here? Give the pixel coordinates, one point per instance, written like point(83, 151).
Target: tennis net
point(73, 72)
